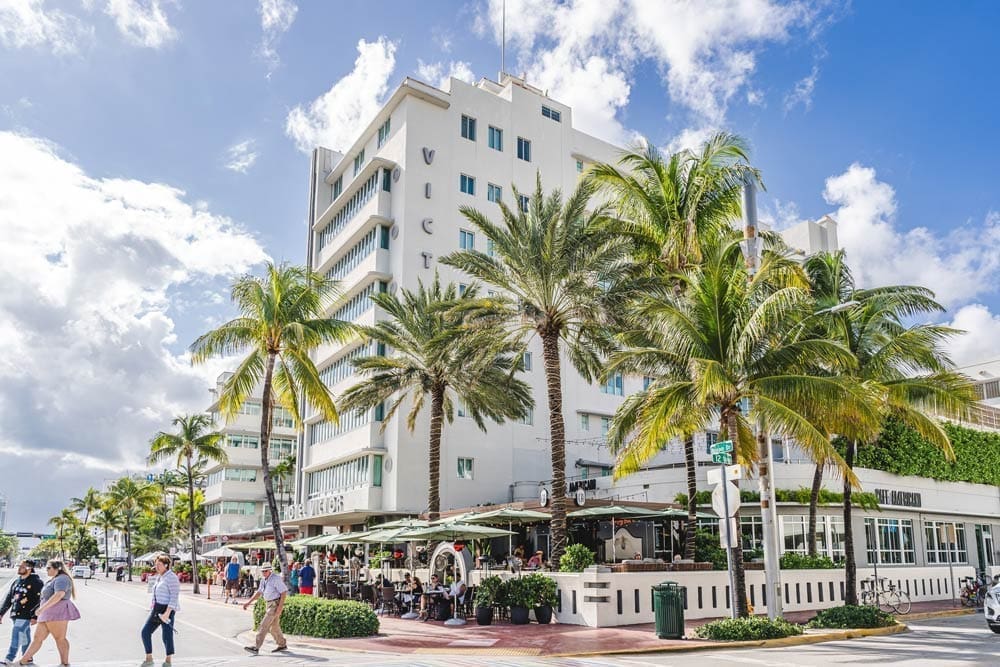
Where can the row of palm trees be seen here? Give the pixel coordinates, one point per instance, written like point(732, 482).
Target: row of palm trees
point(637, 271)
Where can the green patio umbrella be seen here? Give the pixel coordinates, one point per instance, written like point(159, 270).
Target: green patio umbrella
point(346, 538)
point(679, 514)
point(452, 532)
point(510, 516)
point(611, 511)
point(463, 518)
point(401, 523)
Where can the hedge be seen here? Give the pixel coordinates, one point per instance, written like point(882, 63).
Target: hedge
point(851, 616)
point(800, 495)
point(744, 629)
point(794, 561)
point(315, 617)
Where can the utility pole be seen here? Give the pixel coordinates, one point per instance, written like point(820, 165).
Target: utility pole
point(765, 461)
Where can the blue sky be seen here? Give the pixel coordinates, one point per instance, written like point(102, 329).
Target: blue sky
point(150, 151)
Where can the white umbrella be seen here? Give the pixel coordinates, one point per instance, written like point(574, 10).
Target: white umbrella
point(221, 552)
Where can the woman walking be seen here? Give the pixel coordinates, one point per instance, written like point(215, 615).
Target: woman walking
point(166, 600)
point(54, 613)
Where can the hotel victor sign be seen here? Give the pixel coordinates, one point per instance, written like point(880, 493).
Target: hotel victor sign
point(898, 498)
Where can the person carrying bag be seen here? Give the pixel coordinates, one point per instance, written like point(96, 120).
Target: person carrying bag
point(166, 589)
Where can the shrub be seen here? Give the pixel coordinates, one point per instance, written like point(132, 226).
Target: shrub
point(488, 591)
point(743, 629)
point(518, 593)
point(707, 550)
point(794, 561)
point(542, 590)
point(851, 616)
point(375, 559)
point(576, 558)
point(314, 617)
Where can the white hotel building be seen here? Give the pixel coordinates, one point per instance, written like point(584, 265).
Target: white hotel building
point(381, 216)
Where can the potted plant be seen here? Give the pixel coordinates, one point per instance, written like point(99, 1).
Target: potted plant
point(520, 598)
point(543, 596)
point(486, 596)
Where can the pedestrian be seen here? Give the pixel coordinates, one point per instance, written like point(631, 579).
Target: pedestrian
point(54, 613)
point(274, 592)
point(23, 598)
point(166, 589)
point(307, 575)
point(232, 579)
point(293, 579)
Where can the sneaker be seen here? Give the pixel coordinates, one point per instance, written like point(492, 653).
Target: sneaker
point(279, 649)
point(146, 663)
point(252, 650)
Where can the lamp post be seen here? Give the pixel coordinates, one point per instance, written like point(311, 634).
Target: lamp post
point(772, 568)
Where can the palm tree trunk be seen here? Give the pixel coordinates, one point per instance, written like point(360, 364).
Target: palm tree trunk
point(850, 566)
point(194, 547)
point(107, 554)
point(736, 553)
point(557, 441)
point(692, 508)
point(434, 454)
point(813, 504)
point(265, 442)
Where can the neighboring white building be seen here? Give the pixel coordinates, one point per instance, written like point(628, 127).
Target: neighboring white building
point(3, 511)
point(234, 491)
point(381, 216)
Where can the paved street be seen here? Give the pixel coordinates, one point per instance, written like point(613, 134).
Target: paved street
point(108, 636)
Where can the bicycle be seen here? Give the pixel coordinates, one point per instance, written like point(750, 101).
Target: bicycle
point(883, 594)
point(973, 592)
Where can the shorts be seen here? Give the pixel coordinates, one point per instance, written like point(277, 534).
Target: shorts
point(232, 584)
point(306, 590)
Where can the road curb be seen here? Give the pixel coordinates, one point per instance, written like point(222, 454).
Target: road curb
point(920, 616)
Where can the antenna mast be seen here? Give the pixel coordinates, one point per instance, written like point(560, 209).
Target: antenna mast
point(503, 39)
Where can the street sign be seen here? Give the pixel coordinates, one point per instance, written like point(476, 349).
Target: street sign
point(24, 534)
point(732, 472)
point(722, 447)
point(724, 458)
point(47, 537)
point(733, 534)
point(732, 497)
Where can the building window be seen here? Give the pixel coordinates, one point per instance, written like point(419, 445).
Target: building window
point(523, 149)
point(579, 166)
point(646, 381)
point(249, 408)
point(377, 470)
point(341, 477)
point(461, 409)
point(465, 468)
point(777, 450)
point(468, 128)
point(241, 508)
point(241, 441)
point(615, 385)
point(383, 132)
point(584, 422)
point(552, 113)
point(522, 202)
point(386, 180)
point(466, 240)
point(359, 161)
point(240, 475)
point(461, 289)
point(467, 184)
point(494, 193)
point(491, 251)
point(751, 532)
point(383, 237)
point(526, 361)
point(495, 138)
point(711, 437)
point(281, 417)
point(890, 539)
point(528, 418)
point(338, 186)
point(985, 533)
point(605, 426)
point(941, 534)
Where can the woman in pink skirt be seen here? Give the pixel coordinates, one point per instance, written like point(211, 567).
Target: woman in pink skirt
point(54, 613)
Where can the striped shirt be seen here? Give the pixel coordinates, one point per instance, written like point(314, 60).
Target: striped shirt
point(272, 587)
point(167, 590)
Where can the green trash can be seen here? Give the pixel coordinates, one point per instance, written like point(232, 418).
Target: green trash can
point(668, 609)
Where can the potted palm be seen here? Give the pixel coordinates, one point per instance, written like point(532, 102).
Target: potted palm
point(520, 598)
point(486, 596)
point(543, 596)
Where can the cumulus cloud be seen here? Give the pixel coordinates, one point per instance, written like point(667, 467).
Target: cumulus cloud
point(959, 266)
point(141, 23)
point(241, 156)
point(87, 335)
point(276, 17)
point(335, 119)
point(31, 23)
point(438, 74)
point(981, 342)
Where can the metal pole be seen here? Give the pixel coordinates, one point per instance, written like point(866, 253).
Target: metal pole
point(729, 542)
point(503, 39)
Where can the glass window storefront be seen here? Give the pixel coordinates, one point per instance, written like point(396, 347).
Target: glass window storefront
point(829, 535)
point(890, 539)
point(939, 534)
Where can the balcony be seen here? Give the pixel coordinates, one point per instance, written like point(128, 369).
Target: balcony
point(350, 213)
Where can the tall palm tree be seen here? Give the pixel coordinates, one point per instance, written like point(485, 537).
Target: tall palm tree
point(190, 510)
point(64, 522)
point(904, 364)
point(130, 498)
point(195, 442)
point(554, 261)
point(719, 343)
point(107, 519)
point(669, 208)
point(282, 473)
point(90, 502)
point(282, 319)
point(439, 356)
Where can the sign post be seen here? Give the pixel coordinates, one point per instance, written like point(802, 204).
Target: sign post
point(725, 506)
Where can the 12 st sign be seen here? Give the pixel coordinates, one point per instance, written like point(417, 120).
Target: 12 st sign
point(723, 458)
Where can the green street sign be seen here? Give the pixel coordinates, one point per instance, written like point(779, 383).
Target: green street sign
point(722, 447)
point(722, 457)
point(47, 537)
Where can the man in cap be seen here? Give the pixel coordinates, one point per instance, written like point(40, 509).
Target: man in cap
point(22, 600)
point(274, 592)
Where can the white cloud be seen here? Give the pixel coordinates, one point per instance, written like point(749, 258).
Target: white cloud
point(87, 366)
point(141, 23)
point(438, 74)
point(30, 23)
point(276, 17)
point(959, 266)
point(802, 93)
point(335, 119)
point(981, 342)
point(241, 156)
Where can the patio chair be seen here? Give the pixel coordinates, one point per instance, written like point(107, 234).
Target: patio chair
point(389, 601)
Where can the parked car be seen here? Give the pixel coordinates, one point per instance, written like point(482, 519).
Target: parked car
point(82, 572)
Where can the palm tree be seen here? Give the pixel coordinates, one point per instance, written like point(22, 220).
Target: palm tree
point(718, 344)
point(90, 502)
point(439, 356)
point(904, 365)
point(554, 261)
point(670, 208)
point(190, 510)
point(282, 473)
point(194, 443)
point(282, 319)
point(107, 519)
point(130, 498)
point(65, 520)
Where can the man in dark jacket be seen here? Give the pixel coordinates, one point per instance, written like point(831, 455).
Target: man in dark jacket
point(22, 600)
